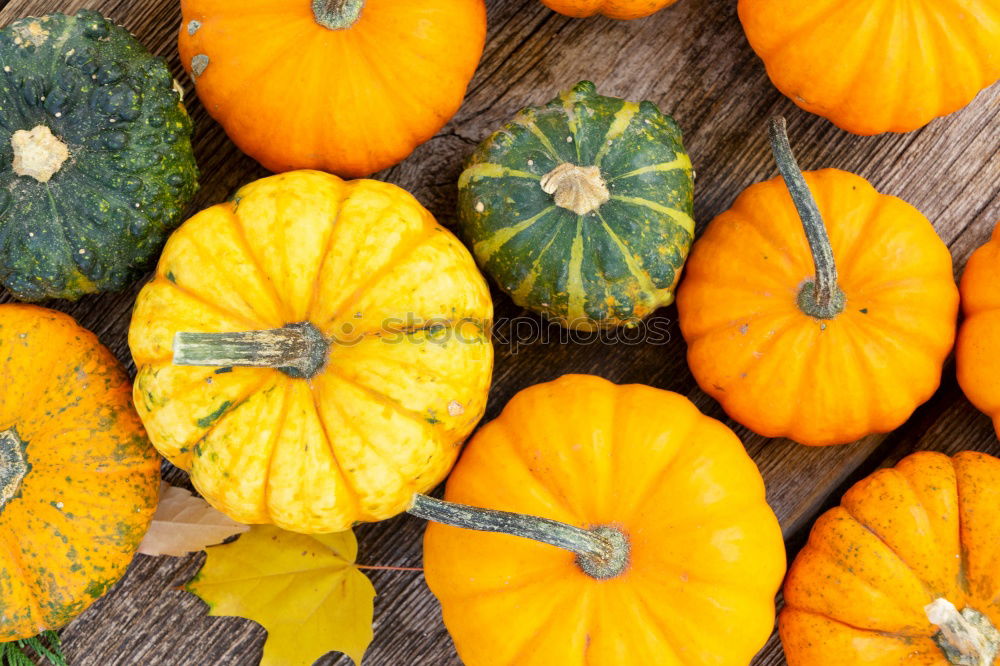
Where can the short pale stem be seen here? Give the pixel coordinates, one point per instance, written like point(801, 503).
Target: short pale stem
point(13, 465)
point(602, 552)
point(967, 638)
point(821, 298)
point(337, 14)
point(298, 350)
point(576, 188)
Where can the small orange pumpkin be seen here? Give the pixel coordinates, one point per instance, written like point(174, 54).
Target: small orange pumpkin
point(78, 478)
point(879, 65)
point(821, 339)
point(616, 9)
point(686, 558)
point(347, 86)
point(977, 353)
point(906, 571)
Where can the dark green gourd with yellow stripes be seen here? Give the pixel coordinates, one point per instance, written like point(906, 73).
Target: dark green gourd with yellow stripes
point(582, 209)
point(96, 164)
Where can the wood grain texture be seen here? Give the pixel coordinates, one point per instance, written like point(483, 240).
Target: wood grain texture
point(693, 61)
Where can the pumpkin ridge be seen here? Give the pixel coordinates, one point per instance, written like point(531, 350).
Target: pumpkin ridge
point(840, 564)
point(641, 276)
point(522, 293)
point(285, 383)
point(619, 125)
point(658, 623)
point(682, 163)
point(557, 500)
point(241, 236)
point(345, 196)
point(846, 257)
point(681, 218)
point(372, 279)
point(915, 502)
point(325, 429)
point(221, 417)
point(487, 247)
point(404, 482)
point(30, 582)
point(211, 305)
point(383, 399)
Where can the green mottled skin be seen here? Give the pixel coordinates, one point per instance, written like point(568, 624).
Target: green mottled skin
point(629, 253)
point(131, 170)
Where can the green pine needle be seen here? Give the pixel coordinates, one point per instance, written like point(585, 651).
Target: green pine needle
point(45, 645)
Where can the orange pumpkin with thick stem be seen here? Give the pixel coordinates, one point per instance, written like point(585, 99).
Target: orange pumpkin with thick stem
point(978, 351)
point(78, 478)
point(878, 65)
point(905, 572)
point(616, 9)
point(346, 86)
point(692, 554)
point(824, 336)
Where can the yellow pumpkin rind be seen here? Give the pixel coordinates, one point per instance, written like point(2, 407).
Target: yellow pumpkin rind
point(408, 371)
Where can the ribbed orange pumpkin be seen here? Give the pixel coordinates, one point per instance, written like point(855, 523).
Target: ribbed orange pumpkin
point(978, 351)
point(785, 365)
point(78, 478)
point(878, 65)
point(905, 572)
point(616, 9)
point(699, 556)
point(313, 352)
point(347, 86)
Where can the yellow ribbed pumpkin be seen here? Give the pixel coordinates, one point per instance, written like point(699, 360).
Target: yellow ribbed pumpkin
point(368, 324)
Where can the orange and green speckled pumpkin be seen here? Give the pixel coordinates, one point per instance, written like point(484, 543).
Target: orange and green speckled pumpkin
point(905, 572)
point(78, 478)
point(369, 324)
point(616, 9)
point(786, 363)
point(697, 553)
point(977, 354)
point(878, 65)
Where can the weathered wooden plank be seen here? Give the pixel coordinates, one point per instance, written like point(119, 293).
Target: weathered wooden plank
point(693, 60)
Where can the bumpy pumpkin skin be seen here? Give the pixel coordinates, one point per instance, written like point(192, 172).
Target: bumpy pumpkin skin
point(293, 94)
point(607, 267)
point(783, 373)
point(706, 557)
point(616, 9)
point(78, 477)
point(877, 66)
point(899, 539)
point(99, 220)
point(977, 354)
point(368, 266)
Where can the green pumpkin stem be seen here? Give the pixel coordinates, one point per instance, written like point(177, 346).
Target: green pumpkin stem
point(966, 638)
point(337, 14)
point(602, 552)
point(45, 645)
point(299, 350)
point(822, 297)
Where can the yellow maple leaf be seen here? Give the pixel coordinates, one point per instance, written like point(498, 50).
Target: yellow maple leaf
point(304, 589)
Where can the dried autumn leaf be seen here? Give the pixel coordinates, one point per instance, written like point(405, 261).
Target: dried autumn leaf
point(185, 524)
point(304, 589)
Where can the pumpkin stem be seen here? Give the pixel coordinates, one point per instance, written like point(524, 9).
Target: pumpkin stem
point(13, 465)
point(337, 14)
point(602, 552)
point(299, 350)
point(576, 188)
point(821, 298)
point(38, 153)
point(967, 638)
